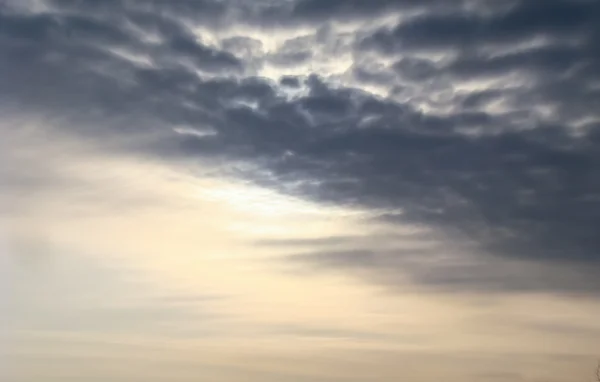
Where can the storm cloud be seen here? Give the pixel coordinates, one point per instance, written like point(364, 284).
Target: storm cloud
point(478, 121)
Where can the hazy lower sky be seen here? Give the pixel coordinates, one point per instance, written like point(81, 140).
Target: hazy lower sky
point(299, 190)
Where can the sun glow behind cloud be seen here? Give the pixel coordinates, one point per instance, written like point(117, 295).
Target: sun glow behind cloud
point(186, 237)
point(299, 191)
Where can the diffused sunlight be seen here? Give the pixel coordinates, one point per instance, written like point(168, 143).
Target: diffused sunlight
point(299, 191)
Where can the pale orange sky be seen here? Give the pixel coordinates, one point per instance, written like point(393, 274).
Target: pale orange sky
point(299, 190)
point(166, 274)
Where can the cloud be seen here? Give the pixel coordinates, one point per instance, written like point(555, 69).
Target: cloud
point(318, 11)
point(440, 269)
point(468, 28)
point(484, 127)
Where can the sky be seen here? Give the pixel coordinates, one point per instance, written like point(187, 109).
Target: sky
point(299, 190)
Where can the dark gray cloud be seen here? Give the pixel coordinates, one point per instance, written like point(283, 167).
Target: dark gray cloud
point(318, 11)
point(290, 81)
point(559, 19)
point(511, 165)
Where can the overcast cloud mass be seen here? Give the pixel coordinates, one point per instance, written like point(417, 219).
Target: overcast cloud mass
point(353, 190)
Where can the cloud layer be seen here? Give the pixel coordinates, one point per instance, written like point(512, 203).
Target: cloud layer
point(476, 120)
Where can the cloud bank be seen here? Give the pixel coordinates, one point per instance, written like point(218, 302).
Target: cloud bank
point(472, 119)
